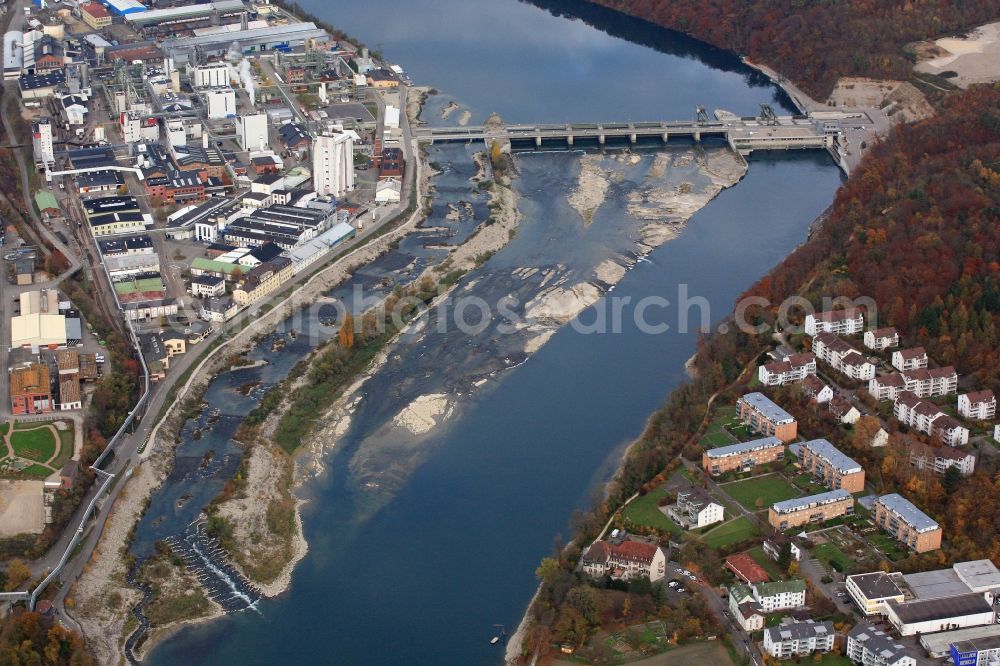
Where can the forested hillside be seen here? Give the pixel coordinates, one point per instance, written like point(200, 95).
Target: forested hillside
point(814, 43)
point(917, 228)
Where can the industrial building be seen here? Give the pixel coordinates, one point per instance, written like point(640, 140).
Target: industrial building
point(184, 15)
point(924, 616)
point(975, 646)
point(292, 35)
point(333, 164)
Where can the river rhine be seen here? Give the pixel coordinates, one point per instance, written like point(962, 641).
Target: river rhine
point(425, 578)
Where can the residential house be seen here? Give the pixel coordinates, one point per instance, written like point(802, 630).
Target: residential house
point(869, 646)
point(939, 458)
point(909, 359)
point(947, 429)
point(792, 368)
point(744, 607)
point(695, 508)
point(624, 560)
point(843, 357)
point(218, 309)
point(817, 389)
point(844, 411)
point(796, 639)
point(780, 595)
point(774, 544)
point(857, 367)
point(906, 523)
point(263, 280)
point(886, 387)
point(927, 418)
point(205, 286)
point(879, 439)
point(978, 406)
point(850, 321)
point(880, 339)
point(927, 383)
point(763, 416)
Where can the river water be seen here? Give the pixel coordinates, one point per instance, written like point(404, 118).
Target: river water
point(421, 574)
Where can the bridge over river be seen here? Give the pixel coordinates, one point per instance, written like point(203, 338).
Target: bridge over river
point(744, 135)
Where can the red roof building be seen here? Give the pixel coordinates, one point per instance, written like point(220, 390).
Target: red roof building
point(746, 569)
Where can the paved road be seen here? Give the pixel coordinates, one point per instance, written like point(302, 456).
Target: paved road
point(720, 608)
point(126, 452)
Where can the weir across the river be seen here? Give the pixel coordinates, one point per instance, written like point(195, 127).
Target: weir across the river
point(744, 135)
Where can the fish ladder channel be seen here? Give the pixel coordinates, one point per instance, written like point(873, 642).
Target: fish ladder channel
point(204, 558)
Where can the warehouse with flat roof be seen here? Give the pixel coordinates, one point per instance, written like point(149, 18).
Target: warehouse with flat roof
point(926, 616)
point(292, 35)
point(191, 12)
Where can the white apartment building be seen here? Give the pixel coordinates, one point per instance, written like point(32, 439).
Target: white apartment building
point(925, 417)
point(978, 406)
point(695, 508)
point(627, 560)
point(909, 359)
point(880, 339)
point(839, 322)
point(333, 164)
point(843, 357)
point(869, 646)
point(792, 639)
point(792, 368)
point(936, 381)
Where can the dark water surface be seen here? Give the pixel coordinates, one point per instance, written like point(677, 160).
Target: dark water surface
point(424, 579)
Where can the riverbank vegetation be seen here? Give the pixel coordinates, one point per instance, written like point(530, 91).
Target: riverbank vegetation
point(815, 43)
point(176, 596)
point(916, 228)
point(33, 638)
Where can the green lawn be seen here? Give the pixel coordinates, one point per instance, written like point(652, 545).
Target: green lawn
point(718, 430)
point(644, 511)
point(715, 438)
point(36, 470)
point(38, 445)
point(829, 553)
point(831, 659)
point(66, 441)
point(760, 492)
point(887, 545)
point(807, 485)
point(731, 532)
point(769, 565)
